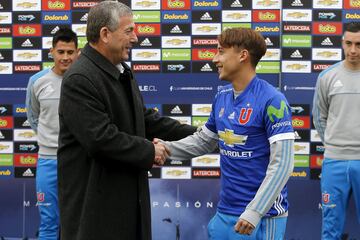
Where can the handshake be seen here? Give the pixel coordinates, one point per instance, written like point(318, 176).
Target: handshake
point(162, 152)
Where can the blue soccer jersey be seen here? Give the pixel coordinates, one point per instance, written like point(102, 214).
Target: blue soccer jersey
point(246, 126)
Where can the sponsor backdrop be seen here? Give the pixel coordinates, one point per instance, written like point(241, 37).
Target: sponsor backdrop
point(172, 62)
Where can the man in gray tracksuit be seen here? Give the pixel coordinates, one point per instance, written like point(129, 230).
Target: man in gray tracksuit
point(42, 102)
point(336, 114)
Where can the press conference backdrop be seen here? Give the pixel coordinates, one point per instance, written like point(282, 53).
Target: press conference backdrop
point(172, 63)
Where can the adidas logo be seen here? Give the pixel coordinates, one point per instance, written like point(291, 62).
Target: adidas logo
point(176, 29)
point(297, 136)
point(1, 135)
point(28, 173)
point(84, 18)
point(327, 42)
point(55, 30)
point(206, 68)
point(1, 57)
point(268, 42)
point(176, 110)
point(236, 3)
point(206, 16)
point(1, 6)
point(232, 115)
point(27, 43)
point(26, 124)
point(297, 3)
point(338, 84)
point(296, 54)
point(146, 43)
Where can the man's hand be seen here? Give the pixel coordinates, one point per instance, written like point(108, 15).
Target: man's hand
point(243, 227)
point(162, 152)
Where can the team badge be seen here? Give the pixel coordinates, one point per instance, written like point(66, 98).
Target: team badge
point(245, 114)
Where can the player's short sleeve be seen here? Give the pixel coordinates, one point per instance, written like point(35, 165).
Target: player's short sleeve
point(277, 117)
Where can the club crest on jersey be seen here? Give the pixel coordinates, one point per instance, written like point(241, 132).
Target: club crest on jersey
point(245, 114)
point(326, 198)
point(40, 196)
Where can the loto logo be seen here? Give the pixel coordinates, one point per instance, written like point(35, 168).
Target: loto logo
point(176, 3)
point(27, 30)
point(28, 160)
point(56, 5)
point(354, 3)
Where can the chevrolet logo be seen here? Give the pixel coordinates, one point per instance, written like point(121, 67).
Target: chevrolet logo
point(145, 3)
point(206, 29)
point(206, 160)
point(231, 139)
point(176, 173)
point(327, 2)
point(326, 54)
point(267, 3)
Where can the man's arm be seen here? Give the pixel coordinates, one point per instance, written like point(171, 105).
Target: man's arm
point(320, 108)
point(200, 143)
point(32, 105)
point(278, 172)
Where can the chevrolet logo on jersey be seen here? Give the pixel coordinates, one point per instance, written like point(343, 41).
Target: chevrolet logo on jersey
point(231, 139)
point(278, 113)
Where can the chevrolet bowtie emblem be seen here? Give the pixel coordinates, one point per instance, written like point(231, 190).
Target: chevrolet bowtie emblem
point(231, 139)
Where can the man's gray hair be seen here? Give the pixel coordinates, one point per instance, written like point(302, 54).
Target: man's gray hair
point(105, 14)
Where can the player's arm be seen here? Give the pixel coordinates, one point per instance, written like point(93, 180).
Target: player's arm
point(320, 107)
point(278, 172)
point(200, 143)
point(32, 105)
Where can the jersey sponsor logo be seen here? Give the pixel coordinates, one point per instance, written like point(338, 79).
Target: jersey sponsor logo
point(245, 114)
point(230, 138)
point(236, 154)
point(279, 113)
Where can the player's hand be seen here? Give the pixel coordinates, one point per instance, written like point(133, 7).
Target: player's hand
point(162, 152)
point(243, 227)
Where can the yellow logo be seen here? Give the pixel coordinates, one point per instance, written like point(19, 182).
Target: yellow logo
point(327, 28)
point(298, 147)
point(3, 17)
point(297, 15)
point(326, 54)
point(145, 4)
point(297, 122)
point(267, 16)
point(27, 160)
point(204, 109)
point(27, 30)
point(206, 29)
point(176, 3)
point(231, 139)
point(81, 29)
point(26, 5)
point(146, 29)
point(56, 5)
point(146, 54)
point(3, 147)
point(296, 66)
point(27, 134)
point(206, 54)
point(176, 41)
point(20, 110)
point(27, 55)
point(328, 2)
point(237, 15)
point(176, 173)
point(5, 173)
point(3, 123)
point(206, 160)
point(267, 3)
point(270, 54)
point(355, 3)
point(3, 68)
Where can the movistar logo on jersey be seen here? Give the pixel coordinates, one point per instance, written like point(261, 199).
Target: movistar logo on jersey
point(278, 113)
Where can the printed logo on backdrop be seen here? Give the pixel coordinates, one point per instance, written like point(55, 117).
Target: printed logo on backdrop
point(205, 54)
point(5, 31)
point(266, 4)
point(6, 68)
point(204, 42)
point(85, 5)
point(268, 67)
point(5, 134)
point(25, 160)
point(296, 53)
point(204, 67)
point(154, 172)
point(326, 41)
point(301, 161)
point(5, 17)
point(176, 109)
point(320, 66)
point(236, 4)
point(301, 148)
point(5, 110)
point(176, 42)
point(55, 5)
point(25, 42)
point(206, 16)
point(317, 148)
point(302, 135)
point(27, 135)
point(176, 16)
point(316, 161)
point(300, 173)
point(327, 28)
point(5, 55)
point(27, 55)
point(176, 54)
point(266, 15)
point(267, 28)
point(235, 25)
point(145, 54)
point(206, 173)
point(297, 28)
point(315, 173)
point(146, 16)
point(21, 122)
point(208, 160)
point(175, 29)
point(19, 110)
point(176, 4)
point(352, 4)
point(5, 5)
point(296, 41)
point(315, 137)
point(6, 122)
point(297, 15)
point(31, 30)
point(25, 5)
point(79, 29)
point(177, 163)
point(26, 147)
point(272, 41)
point(47, 44)
point(272, 54)
point(176, 67)
point(199, 121)
point(296, 4)
point(327, 15)
point(300, 109)
point(25, 172)
point(145, 5)
point(176, 173)
point(6, 147)
point(327, 54)
point(296, 66)
point(148, 42)
point(49, 30)
point(351, 15)
point(236, 16)
point(146, 67)
point(206, 4)
point(56, 17)
point(182, 120)
point(327, 4)
point(148, 29)
point(301, 122)
point(206, 29)
point(79, 17)
point(6, 172)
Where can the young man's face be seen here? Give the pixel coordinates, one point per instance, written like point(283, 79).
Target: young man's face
point(228, 63)
point(64, 54)
point(122, 40)
point(351, 46)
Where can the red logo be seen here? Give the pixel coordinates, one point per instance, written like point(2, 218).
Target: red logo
point(5, 31)
point(327, 28)
point(40, 196)
point(85, 5)
point(27, 68)
point(205, 42)
point(56, 5)
point(316, 161)
point(175, 4)
point(245, 114)
point(152, 29)
point(25, 160)
point(266, 15)
point(300, 122)
point(27, 30)
point(203, 54)
point(352, 4)
point(326, 198)
point(6, 122)
point(146, 67)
